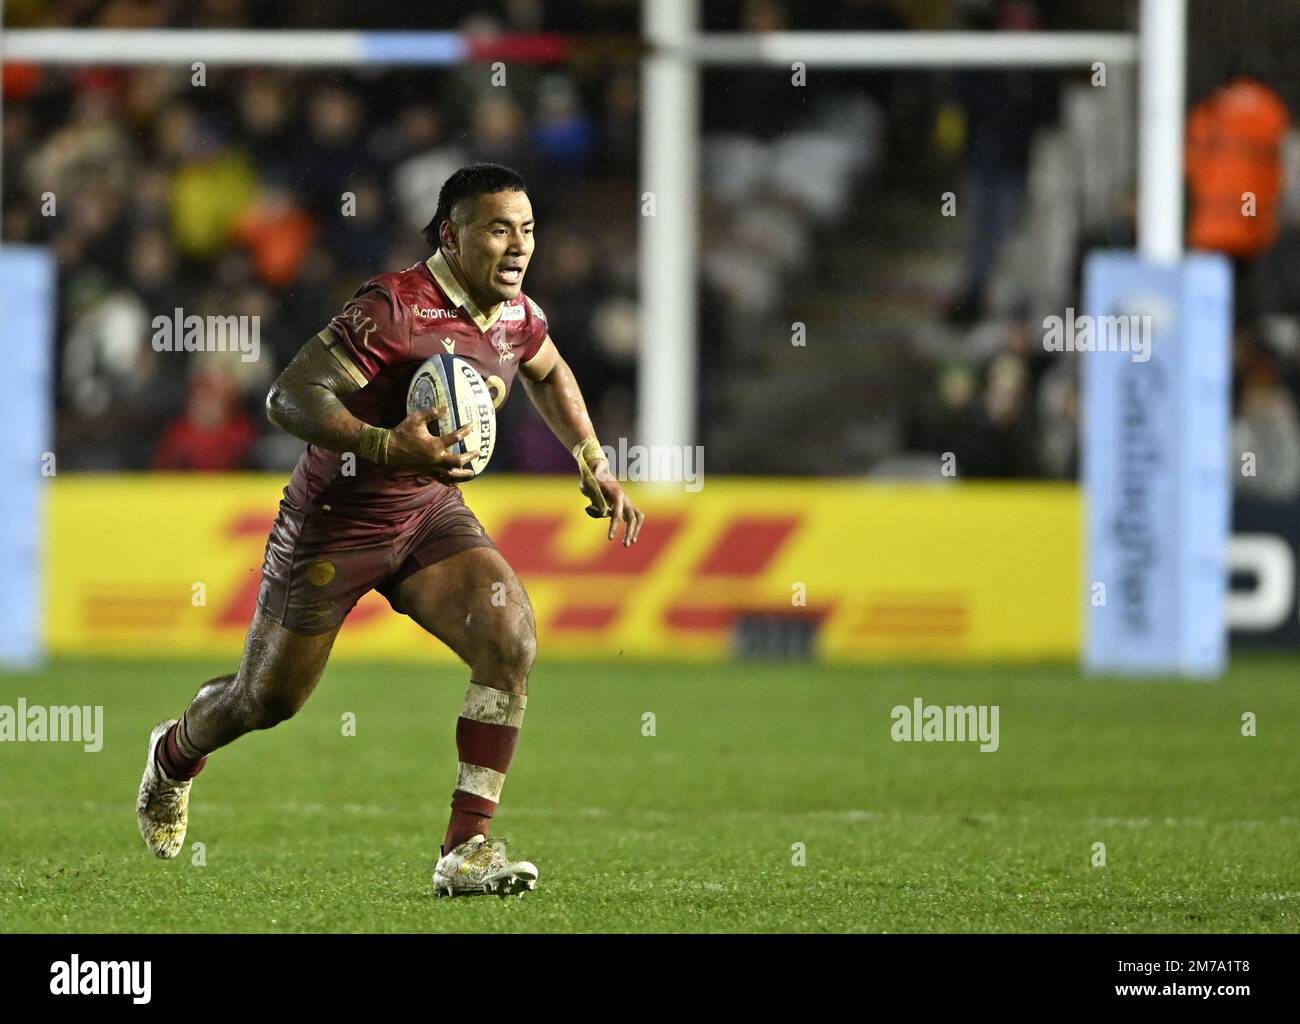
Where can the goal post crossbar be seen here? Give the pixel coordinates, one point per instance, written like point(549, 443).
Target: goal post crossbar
point(919, 50)
point(332, 48)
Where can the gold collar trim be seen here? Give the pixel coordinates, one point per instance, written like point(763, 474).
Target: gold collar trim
point(442, 273)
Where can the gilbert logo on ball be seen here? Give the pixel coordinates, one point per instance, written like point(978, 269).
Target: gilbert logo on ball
point(451, 382)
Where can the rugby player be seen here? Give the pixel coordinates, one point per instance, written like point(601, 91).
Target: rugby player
point(373, 503)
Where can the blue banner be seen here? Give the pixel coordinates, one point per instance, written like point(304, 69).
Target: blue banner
point(27, 309)
point(1155, 344)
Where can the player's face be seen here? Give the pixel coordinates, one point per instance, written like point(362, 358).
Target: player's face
point(495, 244)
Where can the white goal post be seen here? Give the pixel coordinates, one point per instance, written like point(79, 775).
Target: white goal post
point(670, 144)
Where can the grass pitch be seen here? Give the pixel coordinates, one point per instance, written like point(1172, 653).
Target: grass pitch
point(690, 829)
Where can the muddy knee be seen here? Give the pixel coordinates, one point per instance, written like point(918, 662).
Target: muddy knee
point(505, 657)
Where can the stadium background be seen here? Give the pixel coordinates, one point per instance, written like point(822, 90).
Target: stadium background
point(818, 207)
point(845, 546)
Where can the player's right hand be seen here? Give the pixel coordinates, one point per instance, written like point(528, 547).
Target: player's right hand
point(413, 445)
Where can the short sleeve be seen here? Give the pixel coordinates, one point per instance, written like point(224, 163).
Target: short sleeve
point(535, 330)
point(372, 331)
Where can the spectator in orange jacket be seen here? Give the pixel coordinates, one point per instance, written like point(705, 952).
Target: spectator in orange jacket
point(1234, 169)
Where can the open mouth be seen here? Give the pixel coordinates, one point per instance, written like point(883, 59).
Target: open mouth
point(510, 275)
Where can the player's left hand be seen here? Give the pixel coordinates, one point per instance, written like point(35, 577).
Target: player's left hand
point(609, 494)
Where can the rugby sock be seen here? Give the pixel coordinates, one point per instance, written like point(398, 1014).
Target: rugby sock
point(486, 733)
point(177, 757)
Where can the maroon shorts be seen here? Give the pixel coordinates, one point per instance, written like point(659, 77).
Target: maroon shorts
point(320, 563)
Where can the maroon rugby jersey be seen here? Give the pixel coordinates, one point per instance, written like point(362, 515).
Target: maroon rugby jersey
point(391, 325)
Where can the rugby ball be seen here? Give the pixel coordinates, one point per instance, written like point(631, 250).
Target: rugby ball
point(452, 383)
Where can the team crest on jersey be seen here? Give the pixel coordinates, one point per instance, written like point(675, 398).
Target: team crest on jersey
point(502, 346)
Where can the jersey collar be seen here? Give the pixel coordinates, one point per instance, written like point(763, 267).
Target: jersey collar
point(442, 273)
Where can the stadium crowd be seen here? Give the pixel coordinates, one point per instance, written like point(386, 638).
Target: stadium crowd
point(276, 193)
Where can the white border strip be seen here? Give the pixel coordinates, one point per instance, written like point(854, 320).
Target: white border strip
point(914, 49)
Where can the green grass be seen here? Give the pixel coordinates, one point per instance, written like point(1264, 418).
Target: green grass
point(691, 829)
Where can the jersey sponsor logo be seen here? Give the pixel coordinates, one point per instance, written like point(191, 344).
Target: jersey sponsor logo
point(509, 313)
point(537, 310)
point(434, 313)
point(449, 345)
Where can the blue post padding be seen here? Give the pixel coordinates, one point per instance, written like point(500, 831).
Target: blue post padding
point(27, 297)
point(1156, 469)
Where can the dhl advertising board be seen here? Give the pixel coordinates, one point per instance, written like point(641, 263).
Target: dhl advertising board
point(170, 565)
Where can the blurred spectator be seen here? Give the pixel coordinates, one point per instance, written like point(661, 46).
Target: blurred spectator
point(1235, 178)
point(277, 231)
point(266, 106)
point(759, 102)
point(212, 187)
point(114, 388)
point(497, 132)
point(620, 124)
point(214, 433)
point(1003, 110)
point(563, 135)
point(1265, 425)
point(1234, 139)
point(334, 156)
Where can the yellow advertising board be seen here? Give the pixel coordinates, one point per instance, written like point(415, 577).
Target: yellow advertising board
point(164, 564)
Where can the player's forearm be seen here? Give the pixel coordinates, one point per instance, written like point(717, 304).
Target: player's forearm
point(559, 400)
point(315, 415)
point(306, 402)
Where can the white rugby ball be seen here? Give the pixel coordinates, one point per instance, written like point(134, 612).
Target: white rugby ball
point(449, 381)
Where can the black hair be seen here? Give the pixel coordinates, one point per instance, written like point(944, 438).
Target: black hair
point(470, 183)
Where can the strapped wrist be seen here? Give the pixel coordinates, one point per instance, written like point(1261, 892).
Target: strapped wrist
point(372, 444)
point(590, 455)
point(589, 452)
